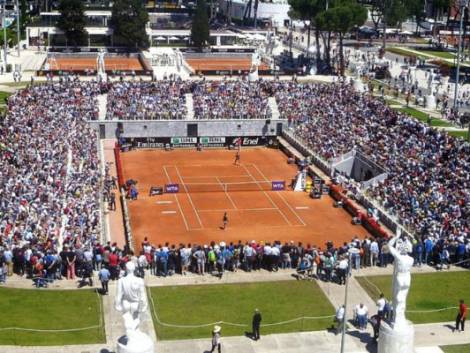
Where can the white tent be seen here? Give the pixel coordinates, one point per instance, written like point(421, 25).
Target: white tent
point(160, 38)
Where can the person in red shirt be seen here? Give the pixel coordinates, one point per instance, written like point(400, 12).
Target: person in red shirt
point(113, 265)
point(461, 316)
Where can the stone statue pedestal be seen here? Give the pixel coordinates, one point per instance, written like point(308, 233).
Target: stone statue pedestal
point(399, 339)
point(139, 342)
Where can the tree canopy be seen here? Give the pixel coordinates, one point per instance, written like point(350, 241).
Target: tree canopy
point(200, 25)
point(128, 20)
point(72, 21)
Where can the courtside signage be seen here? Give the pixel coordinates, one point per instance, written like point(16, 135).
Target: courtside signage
point(211, 140)
point(183, 140)
point(172, 188)
point(278, 185)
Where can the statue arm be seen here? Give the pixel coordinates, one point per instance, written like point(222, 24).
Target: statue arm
point(118, 303)
point(391, 246)
point(143, 299)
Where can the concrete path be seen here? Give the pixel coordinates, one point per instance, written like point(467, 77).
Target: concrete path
point(113, 219)
point(102, 105)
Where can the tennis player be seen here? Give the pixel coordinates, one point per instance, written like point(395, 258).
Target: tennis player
point(237, 158)
point(225, 221)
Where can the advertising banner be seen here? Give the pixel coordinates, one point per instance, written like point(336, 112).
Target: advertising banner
point(278, 185)
point(172, 188)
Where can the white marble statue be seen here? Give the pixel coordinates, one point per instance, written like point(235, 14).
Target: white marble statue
point(398, 335)
point(400, 248)
point(100, 60)
point(131, 300)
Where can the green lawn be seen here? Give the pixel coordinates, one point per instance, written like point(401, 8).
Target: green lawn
point(401, 51)
point(423, 116)
point(440, 54)
point(49, 310)
point(4, 97)
point(428, 291)
point(460, 348)
point(235, 303)
point(460, 134)
point(393, 102)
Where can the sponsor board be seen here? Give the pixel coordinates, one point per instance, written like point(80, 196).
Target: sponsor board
point(278, 185)
point(172, 188)
point(183, 140)
point(209, 141)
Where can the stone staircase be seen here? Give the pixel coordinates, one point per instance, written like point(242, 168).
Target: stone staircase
point(33, 61)
point(274, 110)
point(189, 106)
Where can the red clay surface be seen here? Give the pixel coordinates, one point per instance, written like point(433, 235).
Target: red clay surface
point(225, 64)
point(259, 215)
point(89, 63)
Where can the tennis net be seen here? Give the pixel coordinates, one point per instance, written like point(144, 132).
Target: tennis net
point(228, 187)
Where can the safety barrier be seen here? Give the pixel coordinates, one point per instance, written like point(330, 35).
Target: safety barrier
point(117, 158)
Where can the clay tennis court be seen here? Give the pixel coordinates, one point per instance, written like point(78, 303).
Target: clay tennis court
point(78, 63)
point(224, 63)
point(210, 185)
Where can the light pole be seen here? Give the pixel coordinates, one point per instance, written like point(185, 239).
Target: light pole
point(18, 25)
point(4, 35)
point(463, 4)
point(348, 274)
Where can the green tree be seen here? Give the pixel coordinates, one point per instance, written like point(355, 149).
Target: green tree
point(306, 10)
point(200, 25)
point(72, 21)
point(342, 18)
point(128, 20)
point(415, 8)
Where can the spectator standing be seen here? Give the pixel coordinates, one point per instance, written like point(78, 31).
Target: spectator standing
point(339, 319)
point(256, 322)
point(461, 317)
point(104, 275)
point(216, 339)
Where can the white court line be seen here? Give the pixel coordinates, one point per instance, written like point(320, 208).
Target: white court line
point(179, 206)
point(240, 209)
point(269, 197)
point(164, 202)
point(280, 195)
point(226, 193)
point(168, 212)
point(302, 208)
point(189, 196)
point(220, 176)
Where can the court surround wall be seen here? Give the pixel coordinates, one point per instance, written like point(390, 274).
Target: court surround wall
point(179, 128)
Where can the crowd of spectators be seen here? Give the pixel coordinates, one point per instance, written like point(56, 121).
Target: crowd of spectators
point(49, 174)
point(50, 182)
point(143, 100)
point(427, 188)
point(238, 99)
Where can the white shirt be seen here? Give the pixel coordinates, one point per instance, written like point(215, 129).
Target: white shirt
point(343, 264)
point(361, 311)
point(381, 304)
point(374, 247)
point(340, 313)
